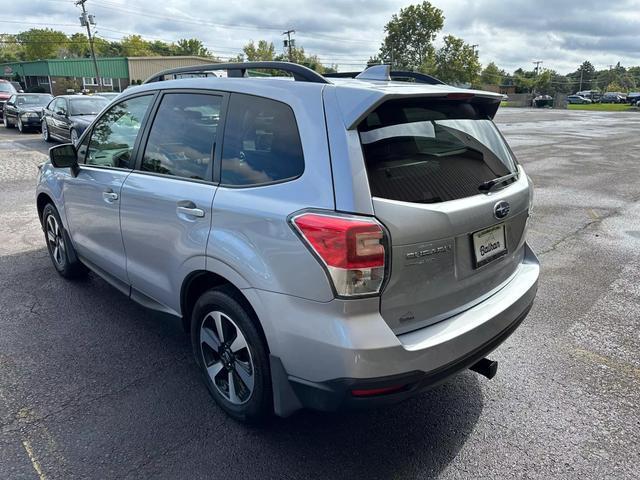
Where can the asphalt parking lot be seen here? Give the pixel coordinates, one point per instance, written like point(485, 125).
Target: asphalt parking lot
point(94, 386)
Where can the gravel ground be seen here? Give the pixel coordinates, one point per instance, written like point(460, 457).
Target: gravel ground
point(94, 386)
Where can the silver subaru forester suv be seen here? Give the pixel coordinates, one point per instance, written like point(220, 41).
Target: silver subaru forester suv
point(328, 242)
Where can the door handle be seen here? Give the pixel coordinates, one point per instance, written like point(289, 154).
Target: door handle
point(110, 196)
point(190, 210)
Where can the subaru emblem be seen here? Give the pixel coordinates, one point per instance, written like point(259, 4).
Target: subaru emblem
point(501, 209)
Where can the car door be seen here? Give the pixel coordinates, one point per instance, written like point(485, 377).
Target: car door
point(10, 110)
point(166, 203)
point(58, 112)
point(63, 123)
point(92, 196)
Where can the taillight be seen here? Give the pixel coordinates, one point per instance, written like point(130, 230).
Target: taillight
point(352, 250)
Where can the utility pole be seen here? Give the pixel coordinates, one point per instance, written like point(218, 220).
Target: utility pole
point(537, 64)
point(475, 49)
point(288, 43)
point(86, 21)
point(581, 72)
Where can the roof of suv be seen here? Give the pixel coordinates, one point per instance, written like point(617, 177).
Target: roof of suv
point(355, 96)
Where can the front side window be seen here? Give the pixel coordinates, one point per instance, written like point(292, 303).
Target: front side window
point(114, 135)
point(183, 135)
point(261, 143)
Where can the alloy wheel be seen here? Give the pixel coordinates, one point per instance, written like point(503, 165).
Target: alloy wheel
point(56, 241)
point(20, 126)
point(45, 130)
point(227, 357)
point(6, 123)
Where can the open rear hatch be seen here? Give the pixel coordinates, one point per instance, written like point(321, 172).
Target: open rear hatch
point(448, 189)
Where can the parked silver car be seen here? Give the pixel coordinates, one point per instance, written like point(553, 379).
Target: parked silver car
point(327, 244)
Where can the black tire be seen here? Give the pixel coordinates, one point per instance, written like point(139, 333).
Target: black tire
point(61, 251)
point(259, 404)
point(44, 128)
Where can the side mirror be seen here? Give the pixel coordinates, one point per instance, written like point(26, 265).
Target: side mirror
point(64, 156)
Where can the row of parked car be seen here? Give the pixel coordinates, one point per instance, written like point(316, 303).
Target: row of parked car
point(592, 96)
point(62, 118)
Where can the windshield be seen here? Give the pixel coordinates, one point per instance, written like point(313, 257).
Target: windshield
point(33, 100)
point(87, 105)
point(432, 151)
point(7, 87)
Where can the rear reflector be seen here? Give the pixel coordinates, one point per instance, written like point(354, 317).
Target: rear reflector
point(372, 392)
point(351, 248)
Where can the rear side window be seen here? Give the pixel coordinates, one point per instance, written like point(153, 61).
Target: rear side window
point(430, 151)
point(261, 143)
point(183, 136)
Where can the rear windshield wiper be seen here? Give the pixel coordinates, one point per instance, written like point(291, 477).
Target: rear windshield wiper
point(490, 184)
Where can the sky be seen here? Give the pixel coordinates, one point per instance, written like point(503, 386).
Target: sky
point(560, 33)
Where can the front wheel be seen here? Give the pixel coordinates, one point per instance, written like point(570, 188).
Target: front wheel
point(45, 131)
point(20, 125)
point(6, 122)
point(232, 356)
point(60, 248)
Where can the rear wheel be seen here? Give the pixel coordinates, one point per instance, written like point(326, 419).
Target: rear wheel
point(231, 355)
point(61, 250)
point(45, 131)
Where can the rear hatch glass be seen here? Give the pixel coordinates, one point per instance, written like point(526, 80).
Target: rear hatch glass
point(429, 162)
point(429, 151)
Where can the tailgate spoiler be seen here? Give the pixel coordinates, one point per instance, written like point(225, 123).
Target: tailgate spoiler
point(358, 98)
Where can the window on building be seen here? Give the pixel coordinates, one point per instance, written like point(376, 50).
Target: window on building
point(43, 80)
point(89, 81)
point(107, 82)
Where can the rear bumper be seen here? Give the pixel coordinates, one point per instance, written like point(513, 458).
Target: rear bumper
point(322, 351)
point(337, 394)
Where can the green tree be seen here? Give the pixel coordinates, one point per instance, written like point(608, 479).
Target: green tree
point(583, 76)
point(264, 51)
point(409, 36)
point(10, 49)
point(492, 75)
point(191, 46)
point(456, 61)
point(78, 45)
point(135, 46)
point(41, 43)
point(158, 47)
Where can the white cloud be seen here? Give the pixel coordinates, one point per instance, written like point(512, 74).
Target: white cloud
point(512, 34)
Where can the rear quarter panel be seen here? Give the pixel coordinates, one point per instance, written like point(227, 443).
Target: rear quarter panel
point(250, 234)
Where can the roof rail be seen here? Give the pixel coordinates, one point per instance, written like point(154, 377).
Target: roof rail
point(238, 70)
point(395, 75)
